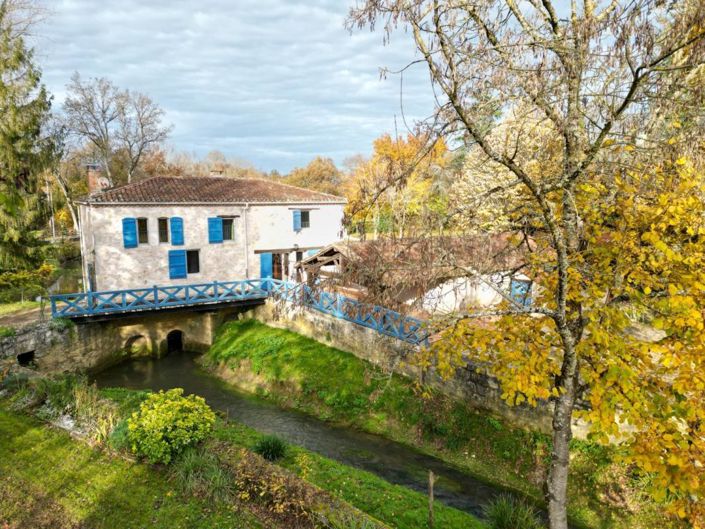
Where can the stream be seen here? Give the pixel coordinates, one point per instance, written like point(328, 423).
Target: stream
point(391, 461)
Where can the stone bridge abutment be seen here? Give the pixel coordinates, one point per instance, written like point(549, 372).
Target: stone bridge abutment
point(62, 346)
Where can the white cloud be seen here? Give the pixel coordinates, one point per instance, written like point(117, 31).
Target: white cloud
point(272, 81)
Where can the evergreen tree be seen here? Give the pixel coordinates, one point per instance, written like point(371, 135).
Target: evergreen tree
point(25, 149)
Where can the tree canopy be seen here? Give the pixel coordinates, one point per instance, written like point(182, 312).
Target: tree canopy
point(603, 197)
point(26, 148)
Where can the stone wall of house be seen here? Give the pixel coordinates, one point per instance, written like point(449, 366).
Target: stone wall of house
point(257, 228)
point(476, 388)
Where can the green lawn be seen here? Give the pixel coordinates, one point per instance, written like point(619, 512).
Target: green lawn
point(49, 480)
point(298, 372)
point(10, 308)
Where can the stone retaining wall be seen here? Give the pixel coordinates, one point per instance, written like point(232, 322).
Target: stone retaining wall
point(478, 389)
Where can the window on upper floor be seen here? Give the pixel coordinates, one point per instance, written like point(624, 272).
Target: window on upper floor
point(163, 229)
point(142, 231)
point(302, 219)
point(228, 229)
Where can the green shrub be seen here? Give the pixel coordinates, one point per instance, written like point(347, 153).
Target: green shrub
point(119, 438)
point(508, 512)
point(61, 324)
point(14, 382)
point(6, 332)
point(56, 394)
point(199, 473)
point(167, 423)
point(345, 520)
point(270, 447)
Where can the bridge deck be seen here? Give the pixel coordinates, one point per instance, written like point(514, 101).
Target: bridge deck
point(117, 302)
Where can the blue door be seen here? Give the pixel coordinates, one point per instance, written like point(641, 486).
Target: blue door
point(265, 265)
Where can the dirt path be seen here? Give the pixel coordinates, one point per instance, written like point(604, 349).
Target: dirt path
point(22, 317)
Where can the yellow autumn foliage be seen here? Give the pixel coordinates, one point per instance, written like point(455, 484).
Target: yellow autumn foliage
point(637, 288)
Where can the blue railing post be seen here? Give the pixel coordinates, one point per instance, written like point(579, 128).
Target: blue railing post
point(89, 300)
point(215, 290)
point(155, 294)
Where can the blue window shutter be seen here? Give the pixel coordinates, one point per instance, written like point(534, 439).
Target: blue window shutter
point(129, 232)
point(297, 220)
point(265, 265)
point(177, 264)
point(215, 230)
point(177, 231)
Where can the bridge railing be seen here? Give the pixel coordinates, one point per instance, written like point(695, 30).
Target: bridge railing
point(157, 297)
point(383, 320)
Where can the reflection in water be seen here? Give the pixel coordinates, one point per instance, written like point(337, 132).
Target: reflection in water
point(392, 461)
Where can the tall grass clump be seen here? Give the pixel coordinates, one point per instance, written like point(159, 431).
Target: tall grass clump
point(270, 447)
point(199, 473)
point(509, 512)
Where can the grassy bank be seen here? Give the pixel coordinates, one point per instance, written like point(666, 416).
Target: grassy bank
point(51, 481)
point(394, 505)
point(304, 374)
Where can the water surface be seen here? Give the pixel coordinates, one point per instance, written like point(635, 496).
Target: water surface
point(392, 461)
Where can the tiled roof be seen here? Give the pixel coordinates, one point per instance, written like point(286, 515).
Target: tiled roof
point(170, 190)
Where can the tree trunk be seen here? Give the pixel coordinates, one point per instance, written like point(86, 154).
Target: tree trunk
point(69, 201)
point(562, 434)
point(108, 172)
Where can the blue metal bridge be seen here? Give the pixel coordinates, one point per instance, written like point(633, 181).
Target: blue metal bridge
point(116, 302)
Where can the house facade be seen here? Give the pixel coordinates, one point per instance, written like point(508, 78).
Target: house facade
point(171, 231)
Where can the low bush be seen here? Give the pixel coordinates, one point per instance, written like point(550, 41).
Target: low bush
point(282, 494)
point(344, 520)
point(119, 438)
point(61, 324)
point(167, 423)
point(6, 332)
point(270, 447)
point(508, 512)
point(199, 473)
point(56, 395)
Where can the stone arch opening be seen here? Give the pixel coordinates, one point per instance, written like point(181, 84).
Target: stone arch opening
point(136, 344)
point(26, 359)
point(175, 341)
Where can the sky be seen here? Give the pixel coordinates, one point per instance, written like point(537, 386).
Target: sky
point(273, 82)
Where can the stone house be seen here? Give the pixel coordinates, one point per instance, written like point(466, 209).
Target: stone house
point(189, 230)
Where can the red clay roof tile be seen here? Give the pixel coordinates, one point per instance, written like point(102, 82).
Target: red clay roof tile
point(168, 190)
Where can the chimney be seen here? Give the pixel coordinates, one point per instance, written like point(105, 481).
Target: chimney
point(96, 181)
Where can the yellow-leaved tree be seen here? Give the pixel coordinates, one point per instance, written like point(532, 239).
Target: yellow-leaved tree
point(616, 223)
point(637, 284)
point(394, 191)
